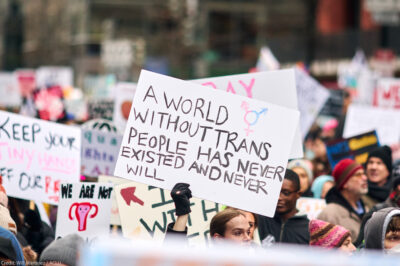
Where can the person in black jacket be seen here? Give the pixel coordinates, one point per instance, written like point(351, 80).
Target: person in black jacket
point(288, 225)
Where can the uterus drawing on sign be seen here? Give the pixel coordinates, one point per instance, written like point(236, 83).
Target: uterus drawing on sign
point(82, 212)
point(251, 117)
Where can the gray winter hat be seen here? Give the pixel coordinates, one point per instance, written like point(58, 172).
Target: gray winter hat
point(63, 250)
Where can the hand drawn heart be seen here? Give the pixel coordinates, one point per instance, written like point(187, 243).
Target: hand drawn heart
point(126, 108)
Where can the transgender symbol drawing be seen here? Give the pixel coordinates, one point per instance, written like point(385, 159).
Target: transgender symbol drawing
point(251, 116)
point(82, 212)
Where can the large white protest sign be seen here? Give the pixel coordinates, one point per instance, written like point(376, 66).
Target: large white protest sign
point(99, 152)
point(9, 90)
point(277, 87)
point(230, 148)
point(124, 93)
point(54, 75)
point(146, 211)
point(387, 93)
point(84, 209)
point(361, 119)
point(311, 98)
point(115, 218)
point(36, 156)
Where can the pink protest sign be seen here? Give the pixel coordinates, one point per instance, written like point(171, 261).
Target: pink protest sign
point(36, 156)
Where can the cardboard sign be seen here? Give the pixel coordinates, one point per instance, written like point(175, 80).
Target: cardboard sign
point(387, 93)
point(356, 148)
point(26, 80)
point(124, 93)
point(84, 209)
point(10, 95)
point(99, 152)
point(267, 60)
point(313, 207)
point(54, 76)
point(99, 87)
point(311, 97)
point(231, 149)
point(361, 119)
point(146, 211)
point(277, 87)
point(36, 156)
point(114, 219)
point(103, 108)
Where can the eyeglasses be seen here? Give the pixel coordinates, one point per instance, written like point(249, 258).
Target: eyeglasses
point(287, 193)
point(359, 175)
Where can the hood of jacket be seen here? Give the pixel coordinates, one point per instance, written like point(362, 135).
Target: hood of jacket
point(375, 228)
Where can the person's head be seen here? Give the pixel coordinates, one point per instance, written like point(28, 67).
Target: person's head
point(231, 225)
point(251, 218)
point(379, 165)
point(62, 251)
point(327, 235)
point(290, 193)
point(382, 230)
point(350, 177)
point(303, 170)
point(322, 185)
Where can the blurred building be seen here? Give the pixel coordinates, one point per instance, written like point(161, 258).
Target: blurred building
point(186, 38)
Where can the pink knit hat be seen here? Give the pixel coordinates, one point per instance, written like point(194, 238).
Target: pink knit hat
point(327, 235)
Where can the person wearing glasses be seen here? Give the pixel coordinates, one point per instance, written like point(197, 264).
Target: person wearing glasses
point(288, 225)
point(344, 204)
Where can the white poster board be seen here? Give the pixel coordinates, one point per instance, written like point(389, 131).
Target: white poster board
point(36, 156)
point(84, 209)
point(266, 60)
point(231, 149)
point(312, 207)
point(99, 152)
point(277, 87)
point(146, 211)
point(311, 97)
point(387, 93)
point(124, 93)
point(54, 75)
point(114, 219)
point(361, 119)
point(10, 95)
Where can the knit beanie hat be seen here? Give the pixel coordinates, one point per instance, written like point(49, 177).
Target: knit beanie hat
point(6, 221)
point(344, 170)
point(327, 235)
point(318, 185)
point(302, 164)
point(385, 154)
point(3, 194)
point(64, 250)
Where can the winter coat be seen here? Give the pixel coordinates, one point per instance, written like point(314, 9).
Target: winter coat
point(15, 246)
point(294, 230)
point(377, 194)
point(338, 211)
point(375, 228)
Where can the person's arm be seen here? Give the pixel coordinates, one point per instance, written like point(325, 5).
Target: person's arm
point(180, 224)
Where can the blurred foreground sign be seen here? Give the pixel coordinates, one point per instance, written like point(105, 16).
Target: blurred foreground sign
point(36, 156)
point(231, 149)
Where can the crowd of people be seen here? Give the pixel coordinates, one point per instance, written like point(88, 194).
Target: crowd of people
point(362, 211)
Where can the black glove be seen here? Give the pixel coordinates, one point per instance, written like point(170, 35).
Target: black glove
point(181, 195)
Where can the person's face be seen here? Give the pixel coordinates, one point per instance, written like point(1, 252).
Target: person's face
point(304, 181)
point(391, 239)
point(325, 188)
point(357, 183)
point(252, 223)
point(287, 198)
point(347, 245)
point(237, 230)
point(377, 171)
point(319, 148)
